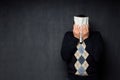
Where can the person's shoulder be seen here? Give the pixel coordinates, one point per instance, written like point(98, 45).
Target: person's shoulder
point(95, 33)
point(68, 33)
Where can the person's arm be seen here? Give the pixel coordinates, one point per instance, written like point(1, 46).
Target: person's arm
point(99, 46)
point(68, 46)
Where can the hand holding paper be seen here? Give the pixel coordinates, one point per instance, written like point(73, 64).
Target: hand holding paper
point(81, 22)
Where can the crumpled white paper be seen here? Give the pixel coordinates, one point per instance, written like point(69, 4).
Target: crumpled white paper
point(81, 20)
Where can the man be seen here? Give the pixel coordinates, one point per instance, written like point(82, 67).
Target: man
point(82, 58)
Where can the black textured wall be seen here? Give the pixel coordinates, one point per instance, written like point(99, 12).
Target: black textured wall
point(31, 33)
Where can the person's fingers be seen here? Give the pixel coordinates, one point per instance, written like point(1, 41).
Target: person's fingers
point(80, 28)
point(77, 29)
point(85, 28)
point(74, 28)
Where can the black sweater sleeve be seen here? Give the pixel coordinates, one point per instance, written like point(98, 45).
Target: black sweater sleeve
point(68, 46)
point(98, 46)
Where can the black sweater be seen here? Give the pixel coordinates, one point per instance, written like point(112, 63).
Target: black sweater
point(94, 47)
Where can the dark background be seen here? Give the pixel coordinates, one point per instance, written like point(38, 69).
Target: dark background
point(31, 34)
